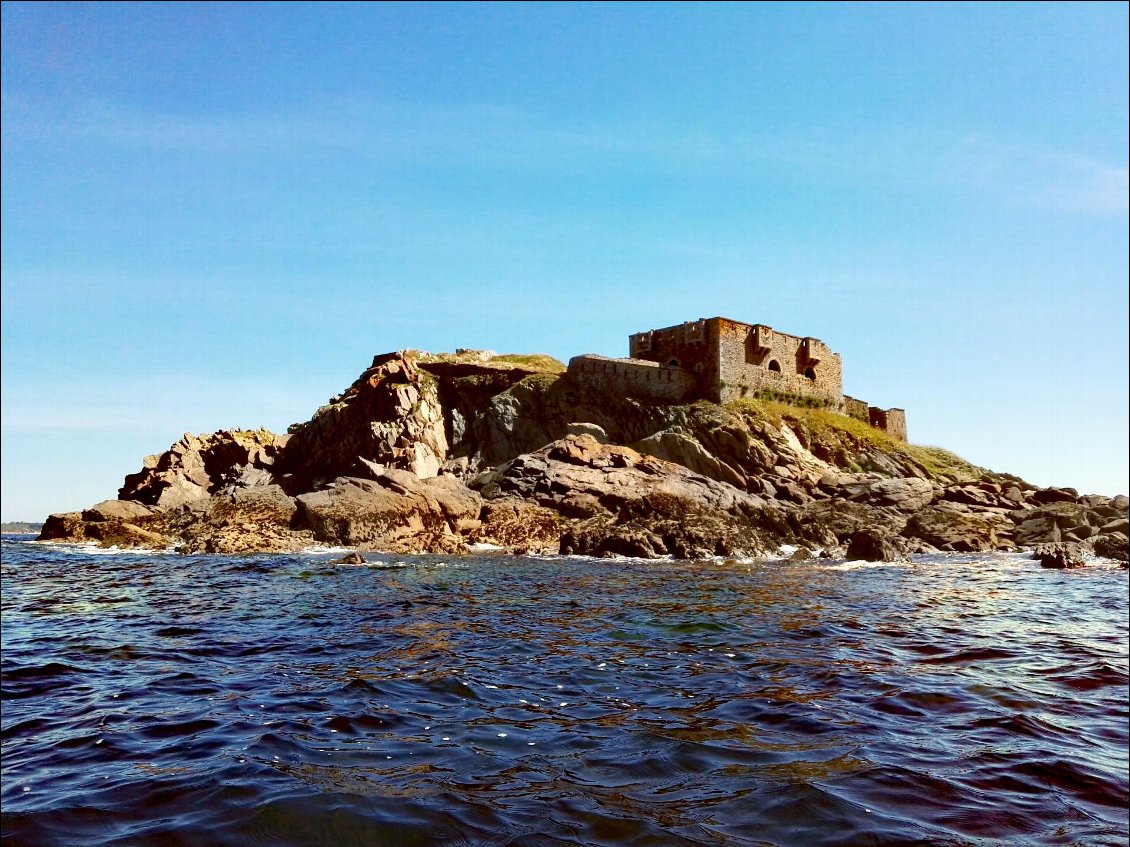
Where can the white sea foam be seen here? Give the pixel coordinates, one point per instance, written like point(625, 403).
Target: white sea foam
point(860, 564)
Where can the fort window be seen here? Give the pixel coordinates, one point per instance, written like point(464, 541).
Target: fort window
point(774, 365)
point(674, 363)
point(810, 373)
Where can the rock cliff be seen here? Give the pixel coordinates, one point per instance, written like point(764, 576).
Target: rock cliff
point(432, 453)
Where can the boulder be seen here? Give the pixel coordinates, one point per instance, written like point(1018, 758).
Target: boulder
point(197, 466)
point(673, 445)
point(100, 524)
point(63, 526)
point(1054, 495)
point(116, 533)
point(833, 521)
point(1059, 556)
point(353, 558)
point(121, 510)
point(950, 527)
point(520, 526)
point(1112, 546)
point(238, 520)
point(907, 494)
point(399, 512)
point(582, 428)
point(875, 545)
point(391, 416)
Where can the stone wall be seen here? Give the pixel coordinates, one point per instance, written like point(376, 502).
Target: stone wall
point(891, 421)
point(857, 409)
point(690, 346)
point(633, 377)
point(730, 359)
point(757, 357)
point(725, 360)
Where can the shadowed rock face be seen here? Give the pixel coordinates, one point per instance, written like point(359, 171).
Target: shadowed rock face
point(198, 466)
point(431, 453)
point(391, 416)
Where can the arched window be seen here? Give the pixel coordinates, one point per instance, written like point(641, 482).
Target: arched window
point(774, 365)
point(810, 373)
point(674, 363)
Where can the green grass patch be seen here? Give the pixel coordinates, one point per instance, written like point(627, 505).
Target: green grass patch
point(843, 440)
point(534, 361)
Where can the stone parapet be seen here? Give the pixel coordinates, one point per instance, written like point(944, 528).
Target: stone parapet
point(633, 377)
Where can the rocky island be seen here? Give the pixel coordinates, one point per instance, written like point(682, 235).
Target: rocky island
point(715, 439)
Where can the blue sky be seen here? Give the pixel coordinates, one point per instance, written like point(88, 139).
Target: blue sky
point(213, 215)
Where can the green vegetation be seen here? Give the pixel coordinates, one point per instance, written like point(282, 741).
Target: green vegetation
point(771, 395)
point(845, 441)
point(21, 527)
point(533, 361)
point(536, 362)
point(258, 436)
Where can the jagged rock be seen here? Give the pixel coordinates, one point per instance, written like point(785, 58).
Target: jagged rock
point(1054, 495)
point(520, 526)
point(198, 466)
point(581, 428)
point(1059, 556)
point(833, 522)
point(953, 528)
point(398, 512)
point(239, 521)
point(349, 559)
point(122, 510)
point(672, 445)
point(1112, 546)
point(1060, 520)
point(874, 545)
point(390, 416)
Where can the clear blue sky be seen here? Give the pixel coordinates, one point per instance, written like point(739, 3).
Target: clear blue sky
point(215, 214)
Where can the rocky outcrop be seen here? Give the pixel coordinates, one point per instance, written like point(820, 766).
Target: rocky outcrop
point(875, 545)
point(198, 466)
point(395, 511)
point(958, 528)
point(391, 416)
point(438, 453)
point(627, 503)
point(1060, 556)
point(1112, 546)
point(238, 521)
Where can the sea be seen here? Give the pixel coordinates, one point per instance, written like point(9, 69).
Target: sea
point(160, 699)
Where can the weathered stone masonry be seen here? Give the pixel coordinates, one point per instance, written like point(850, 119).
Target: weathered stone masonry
point(719, 359)
point(634, 378)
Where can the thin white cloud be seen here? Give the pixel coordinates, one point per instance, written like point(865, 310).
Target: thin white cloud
point(483, 135)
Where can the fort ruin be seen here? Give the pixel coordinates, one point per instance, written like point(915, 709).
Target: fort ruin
point(720, 360)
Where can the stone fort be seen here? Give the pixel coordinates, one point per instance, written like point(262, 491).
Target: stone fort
point(720, 359)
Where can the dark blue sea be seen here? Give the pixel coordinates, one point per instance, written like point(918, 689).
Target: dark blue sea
point(157, 699)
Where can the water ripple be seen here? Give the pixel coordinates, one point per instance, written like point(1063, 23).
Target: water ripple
point(153, 699)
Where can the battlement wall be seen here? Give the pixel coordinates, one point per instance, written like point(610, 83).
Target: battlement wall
point(633, 377)
point(891, 421)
